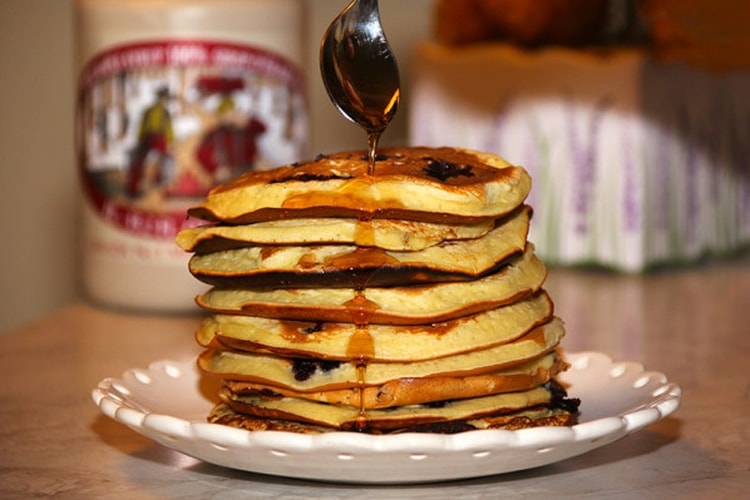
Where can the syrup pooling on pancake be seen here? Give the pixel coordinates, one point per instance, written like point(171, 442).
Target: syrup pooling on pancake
point(404, 299)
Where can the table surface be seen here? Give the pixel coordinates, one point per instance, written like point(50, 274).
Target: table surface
point(688, 323)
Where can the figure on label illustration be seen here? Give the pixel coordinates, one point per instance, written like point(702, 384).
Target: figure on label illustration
point(155, 136)
point(152, 163)
point(229, 147)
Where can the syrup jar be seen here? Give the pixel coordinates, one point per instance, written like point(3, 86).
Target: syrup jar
point(174, 97)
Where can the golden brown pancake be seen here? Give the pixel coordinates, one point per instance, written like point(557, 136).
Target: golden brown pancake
point(351, 265)
point(423, 184)
point(309, 374)
point(400, 417)
point(388, 234)
point(323, 340)
point(416, 304)
point(410, 391)
point(531, 417)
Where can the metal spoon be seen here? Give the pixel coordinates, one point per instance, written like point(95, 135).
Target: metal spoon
point(359, 70)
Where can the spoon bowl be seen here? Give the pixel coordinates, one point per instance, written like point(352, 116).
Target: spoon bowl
point(359, 69)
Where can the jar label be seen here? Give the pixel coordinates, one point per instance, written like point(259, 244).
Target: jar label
point(160, 123)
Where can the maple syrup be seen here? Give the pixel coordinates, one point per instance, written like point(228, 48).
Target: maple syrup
point(361, 347)
point(372, 146)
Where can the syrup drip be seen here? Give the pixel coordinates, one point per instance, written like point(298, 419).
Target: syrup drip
point(361, 310)
point(361, 347)
point(361, 424)
point(360, 265)
point(364, 235)
point(373, 136)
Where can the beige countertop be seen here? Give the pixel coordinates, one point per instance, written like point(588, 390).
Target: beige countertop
point(690, 324)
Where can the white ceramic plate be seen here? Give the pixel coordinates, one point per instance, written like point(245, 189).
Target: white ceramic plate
point(167, 403)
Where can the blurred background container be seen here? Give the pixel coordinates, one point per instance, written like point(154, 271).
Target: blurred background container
point(632, 116)
point(175, 97)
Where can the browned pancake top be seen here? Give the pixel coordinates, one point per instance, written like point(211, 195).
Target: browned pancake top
point(446, 166)
point(339, 185)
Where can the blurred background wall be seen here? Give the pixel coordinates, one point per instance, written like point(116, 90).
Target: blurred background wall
point(38, 177)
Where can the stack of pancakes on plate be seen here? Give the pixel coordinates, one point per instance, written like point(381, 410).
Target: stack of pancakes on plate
point(406, 299)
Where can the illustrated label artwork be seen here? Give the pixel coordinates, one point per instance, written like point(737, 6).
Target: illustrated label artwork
point(160, 123)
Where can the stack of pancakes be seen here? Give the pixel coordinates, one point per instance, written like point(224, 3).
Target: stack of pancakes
point(402, 299)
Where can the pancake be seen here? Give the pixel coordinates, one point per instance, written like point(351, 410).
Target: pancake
point(348, 265)
point(309, 374)
point(521, 277)
point(400, 417)
point(423, 184)
point(389, 343)
point(388, 234)
point(547, 416)
point(409, 391)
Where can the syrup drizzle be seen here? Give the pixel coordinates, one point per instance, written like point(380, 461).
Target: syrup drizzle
point(364, 235)
point(373, 137)
point(361, 347)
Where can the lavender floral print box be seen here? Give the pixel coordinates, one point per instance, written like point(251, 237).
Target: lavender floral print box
point(635, 163)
